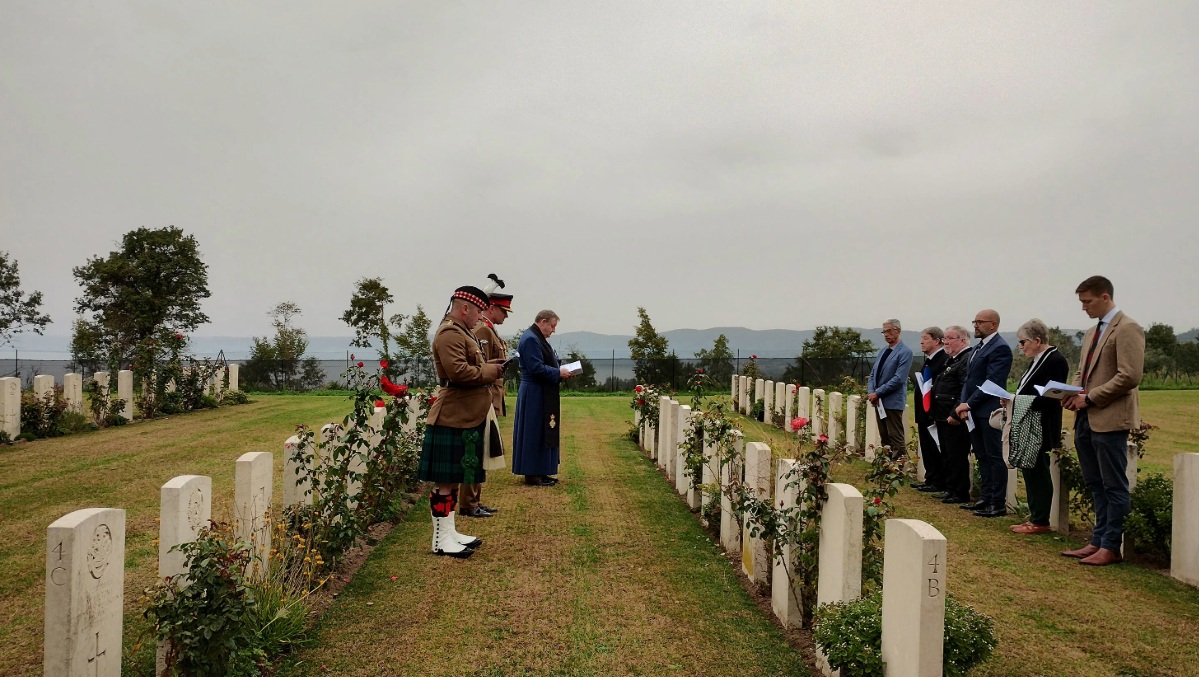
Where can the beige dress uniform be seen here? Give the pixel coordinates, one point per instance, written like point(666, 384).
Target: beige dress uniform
point(493, 348)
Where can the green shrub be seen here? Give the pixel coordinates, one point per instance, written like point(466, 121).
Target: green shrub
point(234, 397)
point(4, 438)
point(850, 635)
point(1150, 522)
point(40, 415)
point(72, 422)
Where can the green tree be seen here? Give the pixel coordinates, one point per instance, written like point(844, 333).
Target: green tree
point(277, 362)
point(717, 363)
point(584, 380)
point(1161, 349)
point(18, 311)
point(837, 342)
point(413, 349)
point(366, 315)
point(87, 345)
point(148, 289)
point(648, 350)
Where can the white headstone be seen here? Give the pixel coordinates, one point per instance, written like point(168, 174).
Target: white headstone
point(780, 402)
point(710, 473)
point(840, 569)
point(1059, 508)
point(789, 406)
point(755, 561)
point(672, 452)
point(785, 585)
point(101, 379)
point(836, 416)
point(819, 412)
point(85, 593)
point(216, 383)
point(803, 402)
point(72, 392)
point(234, 377)
point(913, 599)
point(125, 392)
point(666, 430)
point(10, 406)
point(682, 481)
point(730, 522)
point(768, 402)
point(759, 391)
point(42, 384)
point(743, 394)
point(873, 440)
point(733, 387)
point(185, 509)
point(1184, 544)
point(651, 437)
point(253, 487)
point(853, 406)
point(296, 479)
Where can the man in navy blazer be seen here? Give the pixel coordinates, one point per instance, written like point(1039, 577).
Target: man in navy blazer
point(990, 361)
point(887, 388)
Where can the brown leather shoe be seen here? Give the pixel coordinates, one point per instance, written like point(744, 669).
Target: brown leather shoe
point(1083, 552)
point(1030, 529)
point(1102, 558)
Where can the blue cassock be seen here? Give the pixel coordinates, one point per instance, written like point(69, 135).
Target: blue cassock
point(536, 402)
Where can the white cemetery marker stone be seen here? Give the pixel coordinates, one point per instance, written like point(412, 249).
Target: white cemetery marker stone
point(234, 375)
point(672, 452)
point(185, 508)
point(768, 402)
point(101, 379)
point(819, 411)
point(252, 494)
point(785, 590)
point(1059, 508)
point(789, 406)
point(835, 417)
point(710, 473)
point(72, 391)
point(10, 406)
point(743, 395)
point(1013, 478)
point(296, 480)
point(682, 482)
point(125, 392)
point(755, 561)
point(759, 391)
point(913, 599)
point(733, 388)
point(730, 522)
point(664, 428)
point(85, 593)
point(217, 383)
point(651, 438)
point(853, 405)
point(1184, 550)
point(873, 439)
point(42, 384)
point(840, 567)
point(780, 402)
point(803, 402)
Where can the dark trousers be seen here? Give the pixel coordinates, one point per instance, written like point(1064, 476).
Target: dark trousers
point(1038, 486)
point(1103, 458)
point(988, 453)
point(934, 472)
point(890, 431)
point(955, 459)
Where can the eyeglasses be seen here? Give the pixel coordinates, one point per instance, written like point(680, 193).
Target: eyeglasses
point(1021, 342)
point(953, 338)
point(978, 322)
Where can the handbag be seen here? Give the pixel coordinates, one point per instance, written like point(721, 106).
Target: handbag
point(998, 418)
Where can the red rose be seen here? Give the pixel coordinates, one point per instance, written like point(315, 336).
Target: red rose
point(179, 336)
point(823, 439)
point(351, 356)
point(360, 365)
point(753, 357)
point(383, 364)
point(380, 403)
point(432, 400)
point(637, 389)
point(699, 371)
point(393, 389)
point(402, 390)
point(641, 403)
point(877, 500)
point(797, 423)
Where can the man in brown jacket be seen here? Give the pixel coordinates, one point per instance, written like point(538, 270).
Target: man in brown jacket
point(494, 350)
point(1109, 371)
point(452, 452)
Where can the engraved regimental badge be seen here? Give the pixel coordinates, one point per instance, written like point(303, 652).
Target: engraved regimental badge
point(553, 421)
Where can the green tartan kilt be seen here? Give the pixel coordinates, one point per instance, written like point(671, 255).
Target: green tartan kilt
point(443, 451)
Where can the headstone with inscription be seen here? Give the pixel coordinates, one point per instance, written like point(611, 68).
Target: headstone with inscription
point(682, 429)
point(803, 402)
point(42, 384)
point(873, 440)
point(785, 583)
point(10, 406)
point(185, 509)
point(768, 402)
point(297, 483)
point(789, 405)
point(234, 377)
point(755, 561)
point(125, 392)
point(72, 392)
point(836, 415)
point(840, 566)
point(913, 599)
point(819, 412)
point(1184, 546)
point(253, 487)
point(852, 407)
point(730, 522)
point(780, 403)
point(85, 593)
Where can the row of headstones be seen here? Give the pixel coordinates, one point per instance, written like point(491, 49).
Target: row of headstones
point(85, 553)
point(72, 392)
point(913, 560)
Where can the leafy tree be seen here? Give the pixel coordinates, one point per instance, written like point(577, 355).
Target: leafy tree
point(151, 288)
point(648, 350)
point(366, 314)
point(87, 345)
point(1059, 339)
point(1161, 348)
point(584, 380)
point(18, 311)
point(717, 363)
point(413, 350)
point(277, 362)
point(837, 342)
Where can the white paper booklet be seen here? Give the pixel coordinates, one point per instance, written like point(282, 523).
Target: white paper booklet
point(575, 367)
point(991, 388)
point(1057, 390)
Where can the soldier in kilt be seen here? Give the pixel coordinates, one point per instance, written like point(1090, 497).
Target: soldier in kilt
point(452, 452)
point(470, 497)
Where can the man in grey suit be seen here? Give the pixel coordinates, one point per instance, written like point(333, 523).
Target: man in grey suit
point(990, 361)
point(887, 388)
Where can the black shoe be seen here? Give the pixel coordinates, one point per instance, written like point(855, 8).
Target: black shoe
point(917, 486)
point(955, 499)
point(540, 481)
point(929, 488)
point(941, 495)
point(463, 554)
point(489, 509)
point(991, 512)
point(478, 511)
point(978, 505)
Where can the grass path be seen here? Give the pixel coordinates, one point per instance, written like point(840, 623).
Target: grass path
point(607, 573)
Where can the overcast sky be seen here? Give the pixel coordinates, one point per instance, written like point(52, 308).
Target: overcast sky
point(768, 165)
